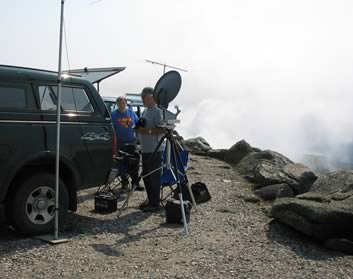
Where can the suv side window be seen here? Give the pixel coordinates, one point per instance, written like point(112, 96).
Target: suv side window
point(82, 101)
point(72, 99)
point(12, 97)
point(110, 105)
point(47, 98)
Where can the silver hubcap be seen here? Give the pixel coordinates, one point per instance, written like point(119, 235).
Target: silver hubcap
point(40, 205)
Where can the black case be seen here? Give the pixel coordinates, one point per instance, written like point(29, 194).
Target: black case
point(200, 192)
point(104, 202)
point(173, 212)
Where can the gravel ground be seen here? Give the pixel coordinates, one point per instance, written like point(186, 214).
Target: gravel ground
point(229, 238)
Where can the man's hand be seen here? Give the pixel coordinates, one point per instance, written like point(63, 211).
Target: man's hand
point(140, 123)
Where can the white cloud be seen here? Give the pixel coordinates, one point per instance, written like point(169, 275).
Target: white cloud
point(276, 73)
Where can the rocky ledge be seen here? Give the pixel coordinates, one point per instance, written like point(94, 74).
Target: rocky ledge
point(318, 206)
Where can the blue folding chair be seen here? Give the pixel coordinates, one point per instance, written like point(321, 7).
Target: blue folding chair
point(169, 176)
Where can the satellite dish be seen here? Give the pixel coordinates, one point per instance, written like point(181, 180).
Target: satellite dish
point(167, 88)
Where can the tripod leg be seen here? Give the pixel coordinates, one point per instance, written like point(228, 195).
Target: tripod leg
point(173, 149)
point(191, 195)
point(130, 193)
point(177, 144)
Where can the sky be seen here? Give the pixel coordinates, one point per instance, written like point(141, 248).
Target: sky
point(276, 73)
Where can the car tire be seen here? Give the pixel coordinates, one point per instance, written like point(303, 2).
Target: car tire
point(33, 205)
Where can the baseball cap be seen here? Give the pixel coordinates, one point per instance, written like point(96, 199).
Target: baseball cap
point(147, 91)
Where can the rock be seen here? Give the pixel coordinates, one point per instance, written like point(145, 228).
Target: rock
point(265, 168)
point(311, 196)
point(275, 191)
point(325, 212)
point(237, 152)
point(227, 210)
point(340, 244)
point(315, 219)
point(251, 199)
point(303, 176)
point(197, 145)
point(340, 196)
point(335, 182)
point(217, 153)
point(266, 210)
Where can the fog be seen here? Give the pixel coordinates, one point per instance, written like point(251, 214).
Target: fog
point(275, 73)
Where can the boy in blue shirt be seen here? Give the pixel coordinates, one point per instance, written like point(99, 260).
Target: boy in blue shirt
point(124, 119)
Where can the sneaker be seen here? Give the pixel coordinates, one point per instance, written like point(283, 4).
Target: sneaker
point(144, 204)
point(151, 208)
point(139, 188)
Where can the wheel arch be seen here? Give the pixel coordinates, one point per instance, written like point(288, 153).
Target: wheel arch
point(44, 162)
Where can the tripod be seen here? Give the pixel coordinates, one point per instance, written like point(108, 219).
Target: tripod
point(171, 162)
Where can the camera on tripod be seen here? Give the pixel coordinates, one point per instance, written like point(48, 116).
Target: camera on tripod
point(141, 123)
point(168, 124)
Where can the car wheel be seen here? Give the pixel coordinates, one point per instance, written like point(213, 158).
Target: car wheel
point(33, 205)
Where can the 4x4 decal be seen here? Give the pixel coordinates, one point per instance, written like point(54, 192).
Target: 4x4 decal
point(92, 136)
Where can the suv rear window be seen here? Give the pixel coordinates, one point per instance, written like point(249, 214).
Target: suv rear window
point(72, 99)
point(12, 97)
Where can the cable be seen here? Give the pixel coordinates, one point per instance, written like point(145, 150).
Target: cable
point(67, 51)
point(68, 63)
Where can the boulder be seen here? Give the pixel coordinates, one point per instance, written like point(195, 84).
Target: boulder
point(269, 168)
point(265, 168)
point(325, 212)
point(197, 145)
point(303, 176)
point(217, 153)
point(275, 191)
point(237, 152)
point(311, 196)
point(316, 219)
point(335, 182)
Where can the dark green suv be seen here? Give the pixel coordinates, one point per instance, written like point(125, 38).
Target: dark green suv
point(27, 145)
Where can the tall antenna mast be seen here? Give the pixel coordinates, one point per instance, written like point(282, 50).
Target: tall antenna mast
point(55, 238)
point(165, 66)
